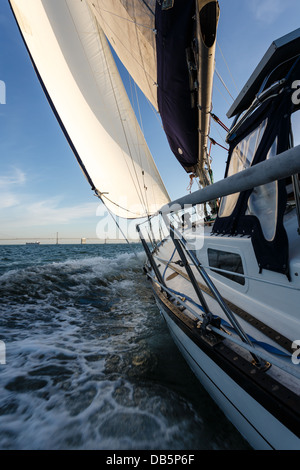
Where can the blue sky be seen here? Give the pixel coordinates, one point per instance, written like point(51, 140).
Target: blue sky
point(42, 189)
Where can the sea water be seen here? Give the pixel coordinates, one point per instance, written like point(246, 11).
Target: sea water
point(87, 360)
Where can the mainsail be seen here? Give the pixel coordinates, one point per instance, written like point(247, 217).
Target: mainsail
point(167, 46)
point(78, 73)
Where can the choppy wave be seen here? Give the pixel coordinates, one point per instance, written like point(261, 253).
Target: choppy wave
point(89, 363)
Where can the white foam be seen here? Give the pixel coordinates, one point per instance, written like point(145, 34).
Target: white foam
point(80, 372)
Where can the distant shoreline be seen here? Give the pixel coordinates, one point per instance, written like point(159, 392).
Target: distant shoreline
point(64, 242)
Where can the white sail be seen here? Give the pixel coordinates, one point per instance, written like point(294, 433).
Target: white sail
point(74, 62)
point(129, 26)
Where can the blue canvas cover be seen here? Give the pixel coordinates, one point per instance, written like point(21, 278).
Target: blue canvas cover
point(176, 27)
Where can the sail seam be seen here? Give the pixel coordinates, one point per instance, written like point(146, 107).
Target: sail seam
point(136, 59)
point(138, 191)
point(97, 190)
point(126, 19)
point(141, 124)
point(147, 6)
point(141, 55)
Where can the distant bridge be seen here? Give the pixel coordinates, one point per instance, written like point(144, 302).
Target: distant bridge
point(78, 239)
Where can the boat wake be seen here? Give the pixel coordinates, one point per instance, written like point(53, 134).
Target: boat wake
point(90, 365)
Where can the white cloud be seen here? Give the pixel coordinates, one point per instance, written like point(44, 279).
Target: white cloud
point(9, 186)
point(21, 209)
point(8, 200)
point(45, 213)
point(49, 212)
point(15, 177)
point(267, 11)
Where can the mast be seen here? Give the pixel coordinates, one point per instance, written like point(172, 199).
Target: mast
point(207, 16)
point(185, 49)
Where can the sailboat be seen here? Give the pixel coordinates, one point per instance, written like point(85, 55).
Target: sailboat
point(223, 261)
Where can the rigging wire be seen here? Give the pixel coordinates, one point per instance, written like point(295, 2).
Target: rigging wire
point(216, 119)
point(139, 192)
point(227, 66)
point(140, 119)
point(103, 196)
point(155, 112)
point(127, 19)
point(218, 131)
point(141, 125)
point(123, 234)
point(224, 84)
point(244, 276)
point(223, 96)
point(149, 79)
point(214, 142)
point(268, 356)
point(189, 188)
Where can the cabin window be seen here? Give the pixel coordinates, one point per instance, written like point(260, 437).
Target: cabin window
point(294, 191)
point(241, 158)
point(295, 120)
point(230, 262)
point(263, 203)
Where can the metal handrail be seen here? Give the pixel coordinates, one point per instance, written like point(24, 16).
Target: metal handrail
point(268, 357)
point(177, 236)
point(243, 276)
point(276, 168)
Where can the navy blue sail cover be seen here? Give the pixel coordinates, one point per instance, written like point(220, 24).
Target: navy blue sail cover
point(176, 28)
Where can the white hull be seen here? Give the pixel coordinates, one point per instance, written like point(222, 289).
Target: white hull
point(259, 427)
point(256, 388)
